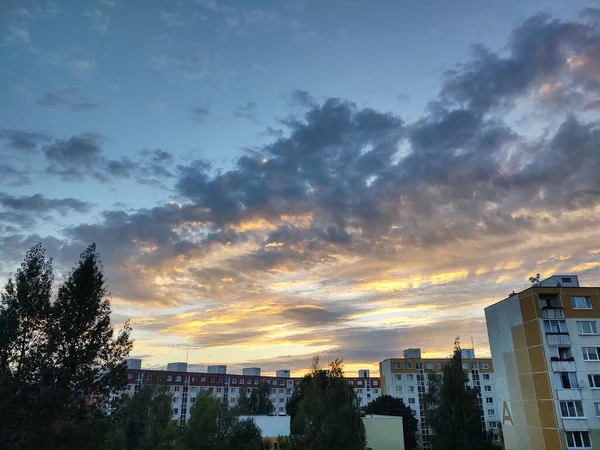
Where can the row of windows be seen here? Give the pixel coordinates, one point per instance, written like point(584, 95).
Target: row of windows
point(440, 365)
point(568, 380)
point(574, 409)
point(577, 302)
point(585, 327)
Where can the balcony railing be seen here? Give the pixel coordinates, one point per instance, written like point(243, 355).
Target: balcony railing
point(553, 313)
point(563, 366)
point(558, 339)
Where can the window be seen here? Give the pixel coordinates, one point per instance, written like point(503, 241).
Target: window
point(177, 388)
point(489, 400)
point(398, 388)
point(566, 280)
point(411, 389)
point(486, 376)
point(491, 412)
point(234, 380)
point(368, 395)
point(281, 391)
point(485, 366)
point(203, 379)
point(568, 380)
point(555, 326)
point(211, 379)
point(175, 411)
point(256, 381)
point(562, 353)
point(233, 390)
point(411, 401)
point(590, 354)
point(587, 327)
point(594, 380)
point(487, 388)
point(218, 389)
point(359, 382)
point(169, 378)
point(429, 366)
point(375, 383)
point(493, 425)
point(193, 379)
point(193, 400)
point(175, 399)
point(351, 382)
point(571, 408)
point(397, 365)
point(578, 439)
point(581, 302)
point(178, 378)
point(597, 408)
point(398, 376)
point(409, 365)
point(129, 376)
point(281, 400)
point(194, 388)
point(410, 377)
point(465, 366)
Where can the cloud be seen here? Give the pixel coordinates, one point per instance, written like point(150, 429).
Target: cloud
point(75, 157)
point(248, 111)
point(109, 3)
point(22, 141)
point(19, 32)
point(37, 203)
point(99, 20)
point(353, 232)
point(200, 114)
point(69, 98)
point(12, 176)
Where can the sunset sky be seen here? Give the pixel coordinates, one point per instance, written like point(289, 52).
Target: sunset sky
point(270, 180)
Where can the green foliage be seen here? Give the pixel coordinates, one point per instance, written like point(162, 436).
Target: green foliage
point(386, 405)
point(59, 363)
point(144, 421)
point(452, 411)
point(214, 426)
point(326, 412)
point(258, 403)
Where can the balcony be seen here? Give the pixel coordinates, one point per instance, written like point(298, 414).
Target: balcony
point(568, 394)
point(553, 313)
point(558, 339)
point(563, 365)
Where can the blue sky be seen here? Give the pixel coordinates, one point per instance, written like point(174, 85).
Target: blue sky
point(114, 107)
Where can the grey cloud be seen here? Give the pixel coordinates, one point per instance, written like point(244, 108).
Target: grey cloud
point(99, 20)
point(302, 98)
point(248, 111)
point(37, 203)
point(309, 315)
point(199, 115)
point(24, 141)
point(75, 157)
point(69, 98)
point(12, 176)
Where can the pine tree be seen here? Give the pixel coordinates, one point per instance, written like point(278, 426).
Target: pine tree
point(452, 410)
point(326, 412)
point(87, 359)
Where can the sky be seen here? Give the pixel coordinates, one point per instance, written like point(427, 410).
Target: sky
point(267, 181)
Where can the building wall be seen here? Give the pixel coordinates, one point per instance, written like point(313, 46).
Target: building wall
point(406, 378)
point(528, 380)
point(185, 386)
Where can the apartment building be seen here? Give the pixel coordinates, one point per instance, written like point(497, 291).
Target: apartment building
point(546, 353)
point(406, 378)
point(185, 385)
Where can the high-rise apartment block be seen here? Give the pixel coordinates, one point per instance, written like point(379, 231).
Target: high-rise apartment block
point(406, 378)
point(185, 385)
point(546, 354)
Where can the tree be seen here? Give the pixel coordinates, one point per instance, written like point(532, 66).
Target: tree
point(452, 410)
point(258, 403)
point(210, 424)
point(87, 358)
point(59, 363)
point(326, 411)
point(144, 421)
point(245, 435)
point(387, 405)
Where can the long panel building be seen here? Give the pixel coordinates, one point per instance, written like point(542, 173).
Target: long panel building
point(546, 351)
point(185, 385)
point(406, 378)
